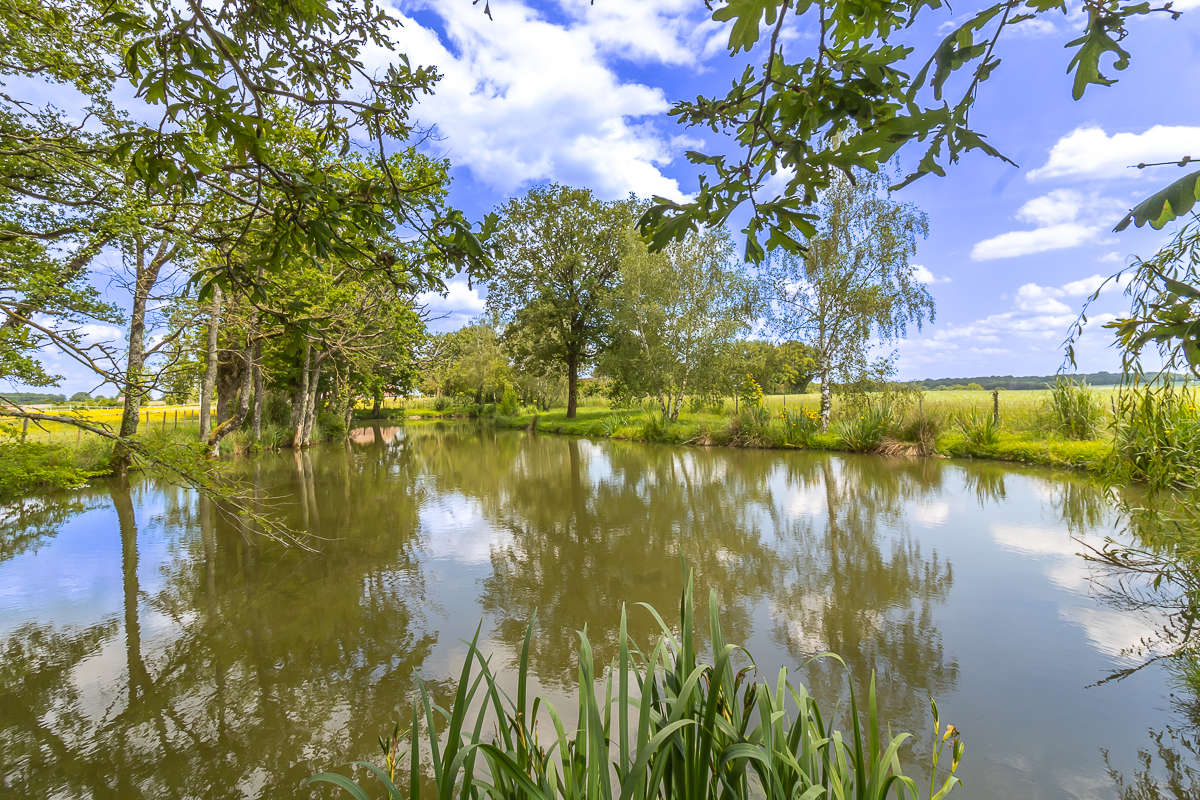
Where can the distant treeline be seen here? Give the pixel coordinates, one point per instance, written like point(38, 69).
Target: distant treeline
point(1020, 381)
point(32, 398)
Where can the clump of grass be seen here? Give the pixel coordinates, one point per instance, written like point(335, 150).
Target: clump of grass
point(670, 724)
point(863, 432)
point(978, 427)
point(800, 425)
point(1157, 436)
point(922, 428)
point(1074, 409)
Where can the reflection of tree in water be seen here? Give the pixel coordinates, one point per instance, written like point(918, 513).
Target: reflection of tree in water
point(589, 533)
point(1155, 571)
point(592, 526)
point(855, 583)
point(251, 668)
point(26, 523)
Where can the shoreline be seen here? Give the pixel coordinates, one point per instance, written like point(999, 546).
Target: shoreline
point(1090, 456)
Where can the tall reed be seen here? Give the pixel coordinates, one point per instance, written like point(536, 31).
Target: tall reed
point(668, 723)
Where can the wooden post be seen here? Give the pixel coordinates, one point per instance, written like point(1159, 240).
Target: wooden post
point(164, 421)
point(995, 406)
point(78, 437)
point(177, 419)
point(24, 428)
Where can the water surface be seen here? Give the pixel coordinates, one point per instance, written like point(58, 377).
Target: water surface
point(151, 648)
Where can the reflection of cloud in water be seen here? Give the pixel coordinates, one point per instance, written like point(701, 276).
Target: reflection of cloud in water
point(1033, 539)
point(806, 501)
point(455, 529)
point(931, 513)
point(1113, 633)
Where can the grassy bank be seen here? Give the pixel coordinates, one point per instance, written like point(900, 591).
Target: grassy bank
point(949, 424)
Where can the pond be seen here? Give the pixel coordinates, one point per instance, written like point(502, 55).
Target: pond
point(151, 648)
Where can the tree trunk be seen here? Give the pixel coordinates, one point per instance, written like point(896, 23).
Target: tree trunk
point(301, 398)
point(257, 378)
point(145, 276)
point(826, 402)
point(236, 419)
point(572, 384)
point(210, 367)
point(310, 406)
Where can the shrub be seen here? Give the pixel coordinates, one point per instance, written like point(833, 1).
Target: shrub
point(749, 427)
point(800, 424)
point(1074, 409)
point(1157, 436)
point(978, 427)
point(923, 428)
point(26, 466)
point(863, 432)
point(667, 723)
point(750, 392)
point(442, 402)
point(509, 404)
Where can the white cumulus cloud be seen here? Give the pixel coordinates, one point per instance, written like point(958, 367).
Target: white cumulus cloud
point(1090, 153)
point(524, 99)
point(1063, 218)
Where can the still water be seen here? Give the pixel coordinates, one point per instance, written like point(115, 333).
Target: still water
point(150, 648)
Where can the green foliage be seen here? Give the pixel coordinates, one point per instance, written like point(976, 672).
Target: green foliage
point(667, 724)
point(509, 404)
point(676, 313)
point(750, 392)
point(1074, 409)
point(800, 425)
point(978, 427)
point(853, 287)
point(923, 428)
point(554, 280)
point(832, 88)
point(25, 466)
point(1157, 436)
point(863, 429)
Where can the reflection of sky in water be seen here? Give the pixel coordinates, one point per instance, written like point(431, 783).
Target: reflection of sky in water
point(1018, 620)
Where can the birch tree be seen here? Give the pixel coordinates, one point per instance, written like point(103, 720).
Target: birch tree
point(853, 291)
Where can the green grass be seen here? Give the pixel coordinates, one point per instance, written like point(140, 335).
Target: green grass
point(663, 721)
point(1026, 433)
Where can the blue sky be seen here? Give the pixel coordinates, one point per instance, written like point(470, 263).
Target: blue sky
point(568, 91)
point(575, 92)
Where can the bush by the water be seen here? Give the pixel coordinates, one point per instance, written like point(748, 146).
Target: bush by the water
point(978, 427)
point(28, 465)
point(1157, 436)
point(668, 723)
point(1075, 410)
point(863, 432)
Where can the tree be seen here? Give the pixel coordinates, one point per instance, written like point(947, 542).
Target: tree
point(853, 287)
point(794, 365)
point(832, 92)
point(555, 276)
point(674, 312)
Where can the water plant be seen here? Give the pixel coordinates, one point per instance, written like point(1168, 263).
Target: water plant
point(800, 425)
point(978, 427)
point(863, 431)
point(663, 722)
point(1157, 436)
point(1074, 409)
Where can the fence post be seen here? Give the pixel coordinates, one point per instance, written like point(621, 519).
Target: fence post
point(995, 406)
point(177, 419)
point(78, 437)
point(24, 428)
